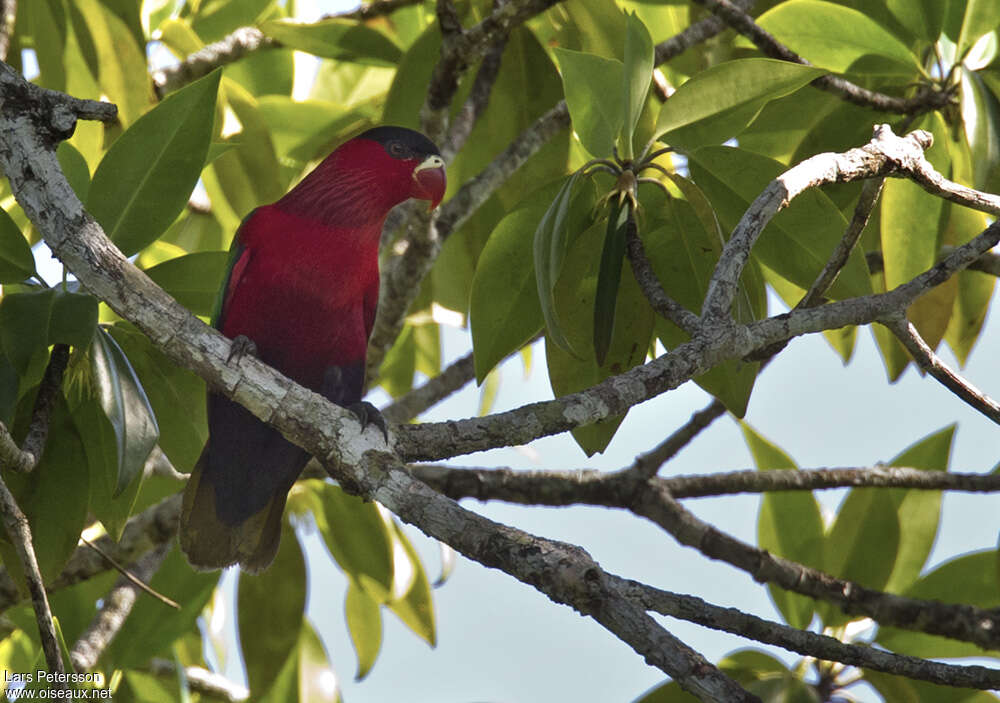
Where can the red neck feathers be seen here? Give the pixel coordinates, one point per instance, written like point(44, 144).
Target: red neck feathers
point(354, 187)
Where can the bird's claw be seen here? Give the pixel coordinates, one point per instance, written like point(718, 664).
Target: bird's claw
point(240, 347)
point(368, 414)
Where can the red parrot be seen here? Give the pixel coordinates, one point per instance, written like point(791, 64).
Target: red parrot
point(301, 292)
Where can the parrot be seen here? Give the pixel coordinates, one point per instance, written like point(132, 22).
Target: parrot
point(300, 294)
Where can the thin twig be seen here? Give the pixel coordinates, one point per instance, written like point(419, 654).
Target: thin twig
point(870, 191)
point(19, 533)
point(648, 464)
point(739, 20)
point(244, 41)
point(808, 643)
point(664, 306)
point(116, 608)
point(453, 378)
point(930, 362)
point(961, 622)
point(136, 578)
point(697, 33)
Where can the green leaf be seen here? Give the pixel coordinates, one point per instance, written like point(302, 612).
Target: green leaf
point(193, 280)
point(304, 129)
point(918, 510)
point(981, 16)
point(214, 19)
point(126, 406)
point(24, 327)
point(176, 395)
point(608, 278)
point(504, 312)
point(121, 62)
point(923, 18)
point(638, 74)
point(863, 542)
point(74, 167)
point(101, 449)
point(900, 689)
point(153, 625)
point(975, 289)
point(54, 497)
point(249, 174)
point(552, 238)
point(970, 579)
point(415, 607)
point(683, 249)
point(342, 40)
point(270, 612)
point(73, 320)
point(364, 622)
point(16, 260)
point(357, 536)
point(145, 179)
point(800, 238)
point(669, 692)
point(980, 109)
point(837, 38)
point(716, 104)
point(409, 86)
point(588, 81)
point(574, 297)
point(305, 674)
point(789, 524)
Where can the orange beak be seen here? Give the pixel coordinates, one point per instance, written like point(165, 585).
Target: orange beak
point(430, 181)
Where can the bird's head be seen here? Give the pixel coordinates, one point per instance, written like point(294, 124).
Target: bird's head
point(367, 176)
point(408, 161)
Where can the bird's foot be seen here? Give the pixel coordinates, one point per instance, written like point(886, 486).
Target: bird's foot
point(368, 414)
point(241, 346)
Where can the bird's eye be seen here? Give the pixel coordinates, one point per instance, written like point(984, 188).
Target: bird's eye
point(397, 150)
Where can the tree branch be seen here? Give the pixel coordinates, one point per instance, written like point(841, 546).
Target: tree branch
point(886, 154)
point(116, 608)
point(961, 622)
point(699, 32)
point(870, 191)
point(453, 378)
point(8, 16)
point(357, 459)
point(739, 20)
point(154, 526)
point(201, 680)
point(664, 306)
point(930, 362)
point(808, 643)
point(247, 40)
point(616, 489)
